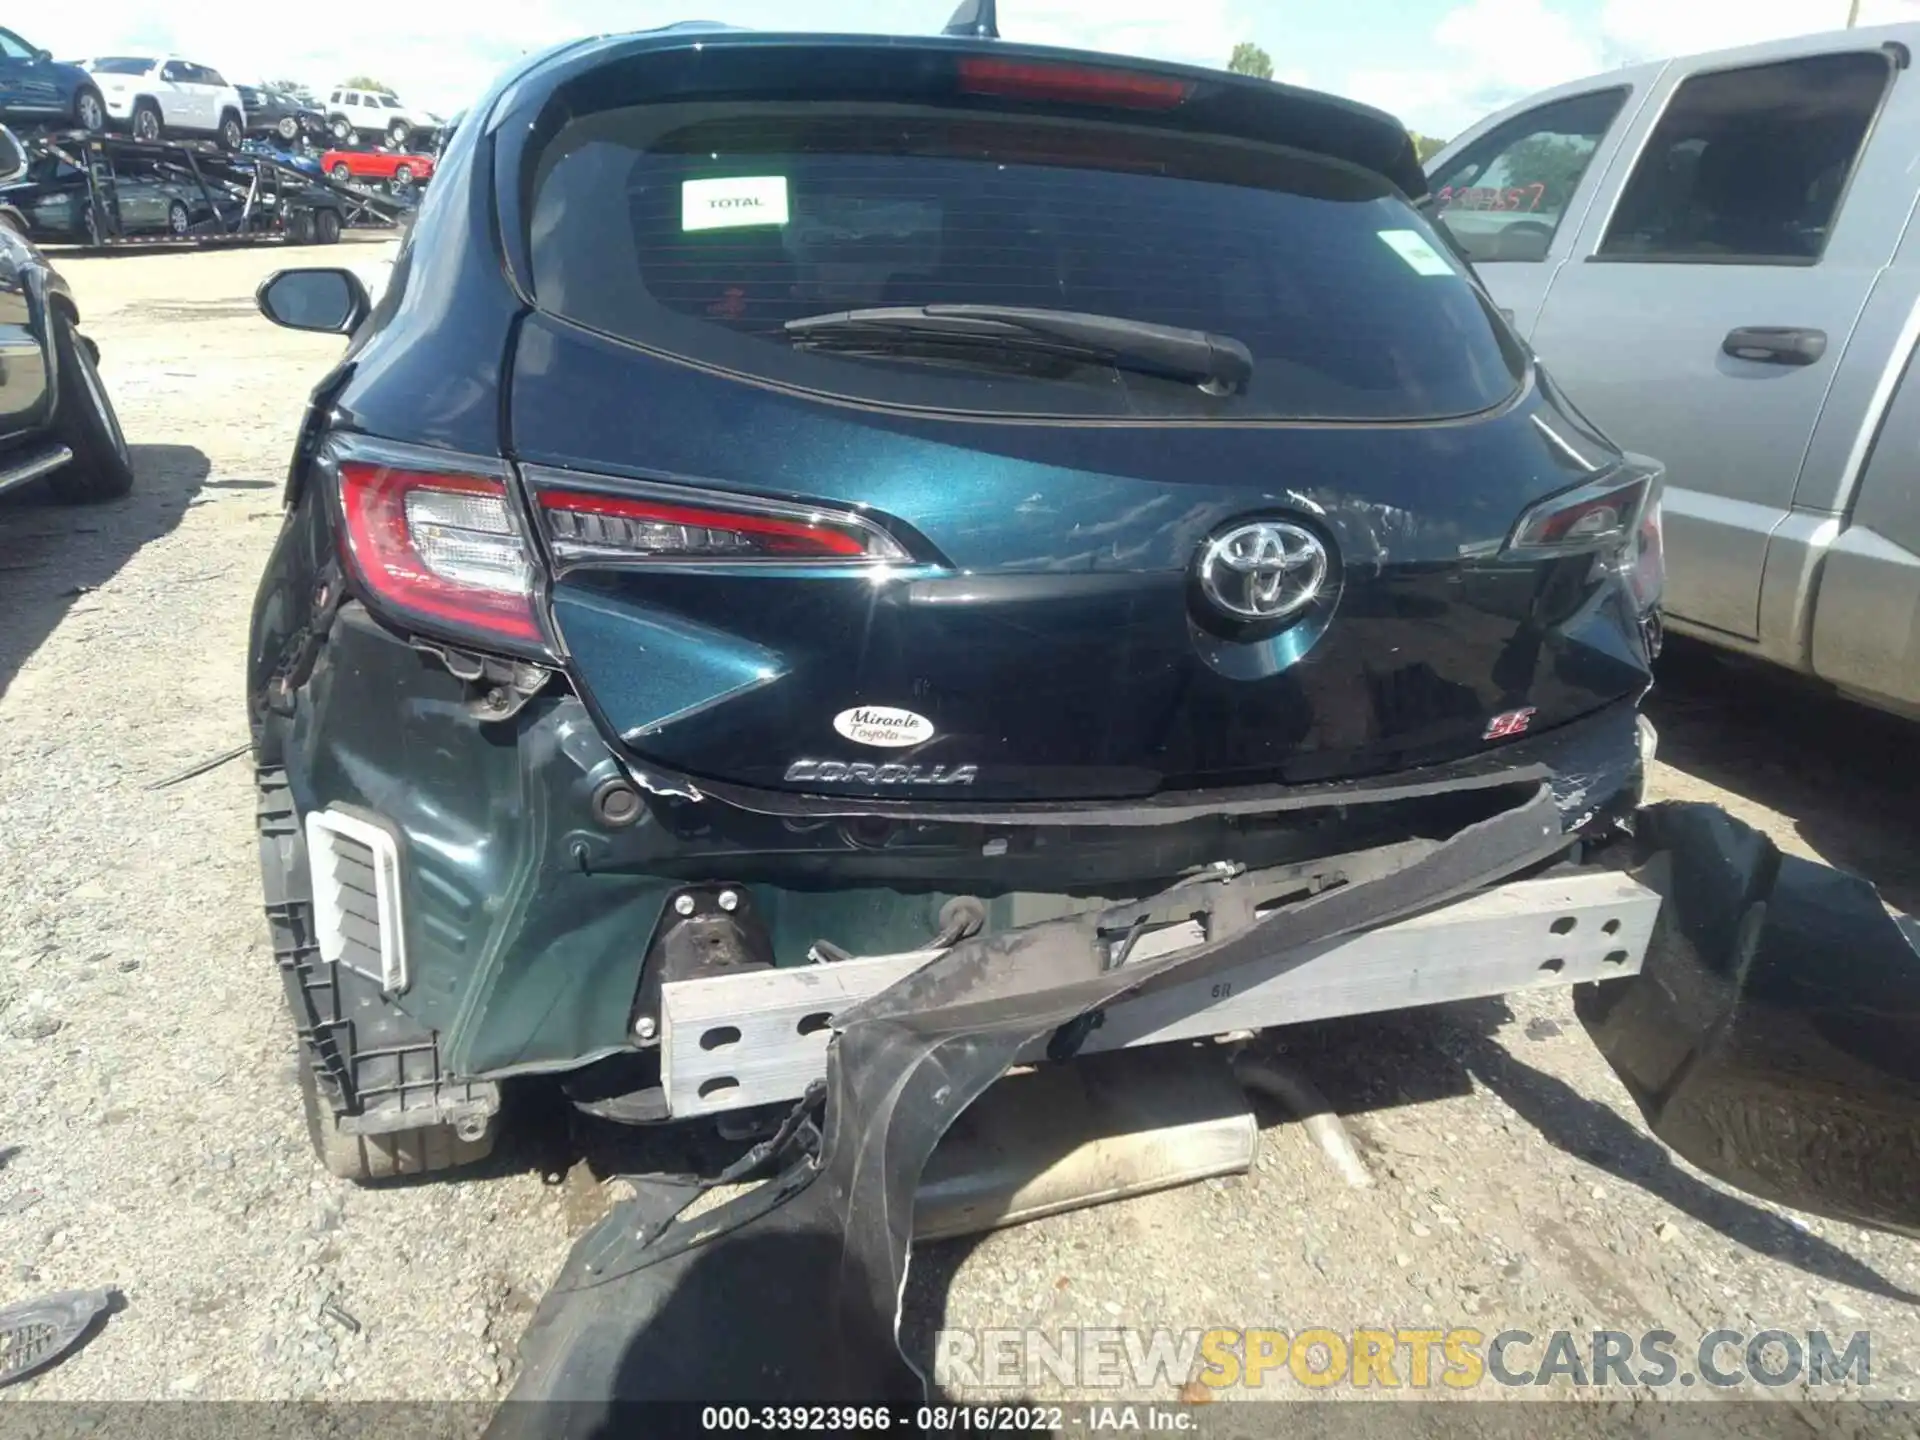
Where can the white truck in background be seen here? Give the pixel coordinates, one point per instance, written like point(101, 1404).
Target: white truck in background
point(1717, 257)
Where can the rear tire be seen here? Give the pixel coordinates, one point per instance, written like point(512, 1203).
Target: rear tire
point(300, 227)
point(179, 222)
point(365, 1158)
point(326, 226)
point(342, 173)
point(397, 133)
point(288, 129)
point(102, 467)
point(403, 174)
point(232, 132)
point(341, 129)
point(146, 121)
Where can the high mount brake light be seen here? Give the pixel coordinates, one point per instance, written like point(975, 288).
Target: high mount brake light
point(701, 526)
point(442, 549)
point(1071, 84)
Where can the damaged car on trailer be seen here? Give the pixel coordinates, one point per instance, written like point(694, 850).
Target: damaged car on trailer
point(887, 558)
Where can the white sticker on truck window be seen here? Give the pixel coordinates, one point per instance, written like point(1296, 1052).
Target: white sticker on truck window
point(1419, 255)
point(737, 200)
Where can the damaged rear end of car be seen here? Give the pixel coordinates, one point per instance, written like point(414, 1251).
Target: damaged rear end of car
point(839, 566)
point(870, 496)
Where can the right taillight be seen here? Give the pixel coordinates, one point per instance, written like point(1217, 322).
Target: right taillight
point(1646, 569)
point(1601, 516)
point(439, 547)
point(1615, 519)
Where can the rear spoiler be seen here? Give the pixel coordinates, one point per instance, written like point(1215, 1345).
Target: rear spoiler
point(972, 69)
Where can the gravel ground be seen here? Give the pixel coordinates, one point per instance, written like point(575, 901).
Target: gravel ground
point(149, 1129)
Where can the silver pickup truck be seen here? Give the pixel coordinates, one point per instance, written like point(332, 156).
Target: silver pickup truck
point(1717, 257)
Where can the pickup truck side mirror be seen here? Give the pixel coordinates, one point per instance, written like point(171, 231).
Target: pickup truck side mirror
point(41, 57)
point(332, 301)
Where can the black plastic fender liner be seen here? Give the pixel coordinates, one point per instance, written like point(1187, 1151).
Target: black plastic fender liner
point(1772, 1036)
point(800, 1304)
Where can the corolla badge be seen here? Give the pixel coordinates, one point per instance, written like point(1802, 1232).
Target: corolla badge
point(883, 726)
point(838, 771)
point(1264, 570)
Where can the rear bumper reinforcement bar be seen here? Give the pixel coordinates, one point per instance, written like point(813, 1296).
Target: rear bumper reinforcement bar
point(733, 1041)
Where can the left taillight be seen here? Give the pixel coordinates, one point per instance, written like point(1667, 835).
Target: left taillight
point(440, 547)
point(662, 524)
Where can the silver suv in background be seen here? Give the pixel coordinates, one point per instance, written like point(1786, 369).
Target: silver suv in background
point(353, 114)
point(1716, 257)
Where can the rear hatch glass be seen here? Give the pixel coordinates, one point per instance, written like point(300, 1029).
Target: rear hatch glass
point(702, 229)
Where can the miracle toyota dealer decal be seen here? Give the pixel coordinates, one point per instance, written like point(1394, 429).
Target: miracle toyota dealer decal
point(883, 726)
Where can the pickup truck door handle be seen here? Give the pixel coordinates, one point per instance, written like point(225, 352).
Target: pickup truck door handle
point(1775, 344)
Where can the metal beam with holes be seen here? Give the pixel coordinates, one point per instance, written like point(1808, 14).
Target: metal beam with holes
point(733, 1041)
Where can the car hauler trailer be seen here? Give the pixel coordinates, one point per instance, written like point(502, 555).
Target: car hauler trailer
point(238, 197)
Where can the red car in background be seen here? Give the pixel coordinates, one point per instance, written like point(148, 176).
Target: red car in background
point(350, 165)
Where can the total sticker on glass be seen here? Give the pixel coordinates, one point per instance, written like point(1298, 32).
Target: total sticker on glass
point(738, 200)
point(1421, 257)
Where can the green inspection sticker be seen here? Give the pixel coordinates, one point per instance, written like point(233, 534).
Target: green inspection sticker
point(1419, 255)
point(738, 200)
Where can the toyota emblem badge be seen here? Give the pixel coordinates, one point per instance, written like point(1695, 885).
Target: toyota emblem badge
point(1264, 570)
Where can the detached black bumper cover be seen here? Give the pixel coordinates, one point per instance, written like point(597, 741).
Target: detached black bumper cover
point(801, 1302)
point(1771, 1037)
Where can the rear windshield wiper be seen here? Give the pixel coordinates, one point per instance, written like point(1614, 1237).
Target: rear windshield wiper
point(1217, 363)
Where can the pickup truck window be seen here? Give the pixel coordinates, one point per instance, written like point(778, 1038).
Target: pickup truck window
point(1503, 197)
point(1748, 166)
